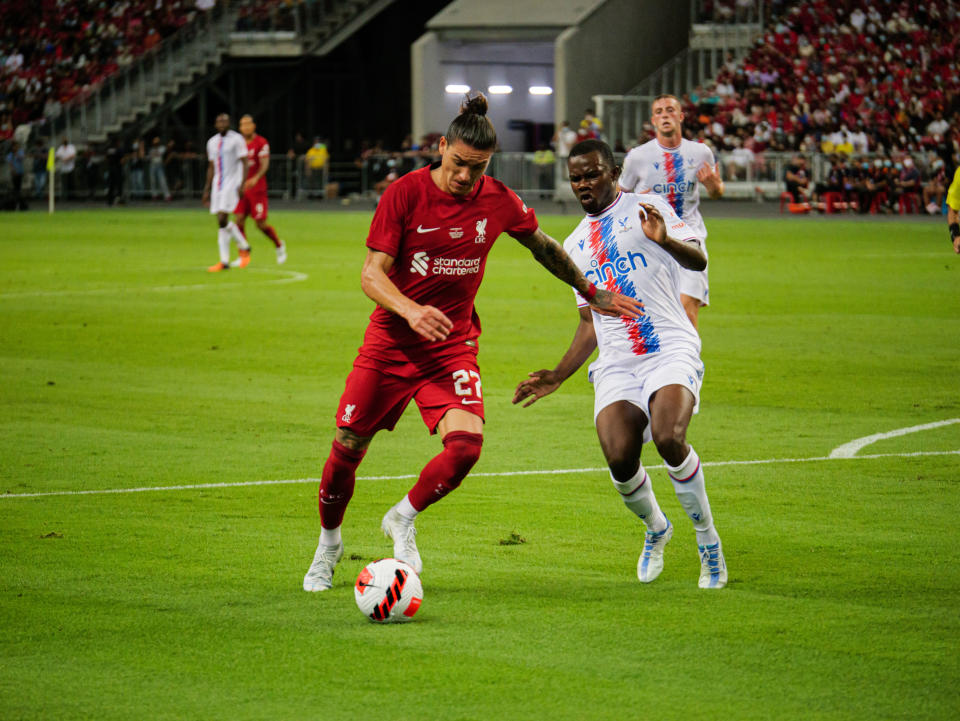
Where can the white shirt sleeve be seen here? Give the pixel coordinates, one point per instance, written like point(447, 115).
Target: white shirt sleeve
point(631, 173)
point(676, 228)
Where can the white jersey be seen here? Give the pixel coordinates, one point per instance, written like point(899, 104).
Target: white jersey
point(615, 254)
point(227, 153)
point(672, 173)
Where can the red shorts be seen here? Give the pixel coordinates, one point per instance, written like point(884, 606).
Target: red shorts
point(253, 203)
point(373, 400)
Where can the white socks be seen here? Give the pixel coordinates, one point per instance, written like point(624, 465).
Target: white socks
point(329, 536)
point(692, 493)
point(223, 241)
point(235, 233)
point(406, 509)
point(637, 494)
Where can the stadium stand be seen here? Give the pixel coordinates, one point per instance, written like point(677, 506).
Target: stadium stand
point(867, 91)
point(876, 84)
point(849, 76)
point(54, 51)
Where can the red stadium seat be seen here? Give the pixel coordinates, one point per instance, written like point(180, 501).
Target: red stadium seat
point(909, 203)
point(834, 202)
point(878, 200)
point(785, 200)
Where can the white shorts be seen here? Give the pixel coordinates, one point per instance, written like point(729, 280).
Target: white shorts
point(225, 199)
point(638, 382)
point(695, 284)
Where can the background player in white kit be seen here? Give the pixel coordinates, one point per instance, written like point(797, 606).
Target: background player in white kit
point(648, 374)
point(670, 166)
point(226, 171)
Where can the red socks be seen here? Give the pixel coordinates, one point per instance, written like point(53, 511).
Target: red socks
point(337, 482)
point(271, 234)
point(445, 472)
point(442, 474)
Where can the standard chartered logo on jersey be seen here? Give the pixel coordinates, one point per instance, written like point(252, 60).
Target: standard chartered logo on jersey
point(423, 265)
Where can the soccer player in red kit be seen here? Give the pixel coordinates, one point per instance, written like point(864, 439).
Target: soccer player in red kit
point(253, 202)
point(426, 253)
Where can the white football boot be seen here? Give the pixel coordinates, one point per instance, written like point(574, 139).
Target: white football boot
point(320, 575)
point(281, 253)
point(404, 537)
point(713, 567)
point(650, 563)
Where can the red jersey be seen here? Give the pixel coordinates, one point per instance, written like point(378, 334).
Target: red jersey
point(439, 243)
point(257, 148)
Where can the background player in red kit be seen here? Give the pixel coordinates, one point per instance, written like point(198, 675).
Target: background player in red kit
point(253, 202)
point(427, 249)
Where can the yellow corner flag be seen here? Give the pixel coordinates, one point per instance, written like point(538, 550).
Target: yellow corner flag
point(51, 168)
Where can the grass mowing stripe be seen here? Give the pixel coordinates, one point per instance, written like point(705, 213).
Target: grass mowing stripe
point(487, 474)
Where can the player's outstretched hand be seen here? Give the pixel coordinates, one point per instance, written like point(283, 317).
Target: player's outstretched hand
point(708, 175)
point(206, 199)
point(248, 183)
point(539, 384)
point(616, 304)
point(652, 223)
point(430, 322)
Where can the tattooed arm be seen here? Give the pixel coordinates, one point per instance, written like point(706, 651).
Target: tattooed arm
point(554, 258)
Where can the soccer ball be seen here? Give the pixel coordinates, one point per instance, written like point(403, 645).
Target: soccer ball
point(388, 591)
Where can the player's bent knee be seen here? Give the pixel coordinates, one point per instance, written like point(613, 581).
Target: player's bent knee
point(463, 449)
point(623, 468)
point(349, 439)
point(671, 441)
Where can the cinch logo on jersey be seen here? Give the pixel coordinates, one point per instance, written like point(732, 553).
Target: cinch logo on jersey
point(606, 254)
point(676, 184)
point(602, 272)
point(422, 264)
point(667, 188)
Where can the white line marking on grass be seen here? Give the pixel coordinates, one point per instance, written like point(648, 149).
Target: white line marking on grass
point(288, 276)
point(489, 474)
point(849, 450)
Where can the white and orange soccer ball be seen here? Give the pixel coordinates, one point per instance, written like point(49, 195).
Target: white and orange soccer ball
point(388, 591)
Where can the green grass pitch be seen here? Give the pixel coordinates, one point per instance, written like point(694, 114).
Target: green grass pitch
point(124, 365)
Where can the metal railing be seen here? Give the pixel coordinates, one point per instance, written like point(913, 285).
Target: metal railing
point(105, 107)
point(728, 11)
point(624, 115)
point(290, 178)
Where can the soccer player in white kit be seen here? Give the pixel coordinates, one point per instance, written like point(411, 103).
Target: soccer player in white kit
point(647, 376)
point(670, 166)
point(226, 172)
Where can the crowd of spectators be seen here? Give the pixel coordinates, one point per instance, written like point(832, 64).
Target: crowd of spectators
point(730, 11)
point(51, 51)
point(281, 15)
point(266, 16)
point(846, 78)
point(826, 75)
point(383, 166)
point(880, 185)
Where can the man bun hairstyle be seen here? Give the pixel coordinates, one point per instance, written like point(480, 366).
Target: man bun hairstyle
point(472, 126)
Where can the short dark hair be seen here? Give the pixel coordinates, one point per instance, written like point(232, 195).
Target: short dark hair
point(592, 145)
point(472, 126)
point(664, 96)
